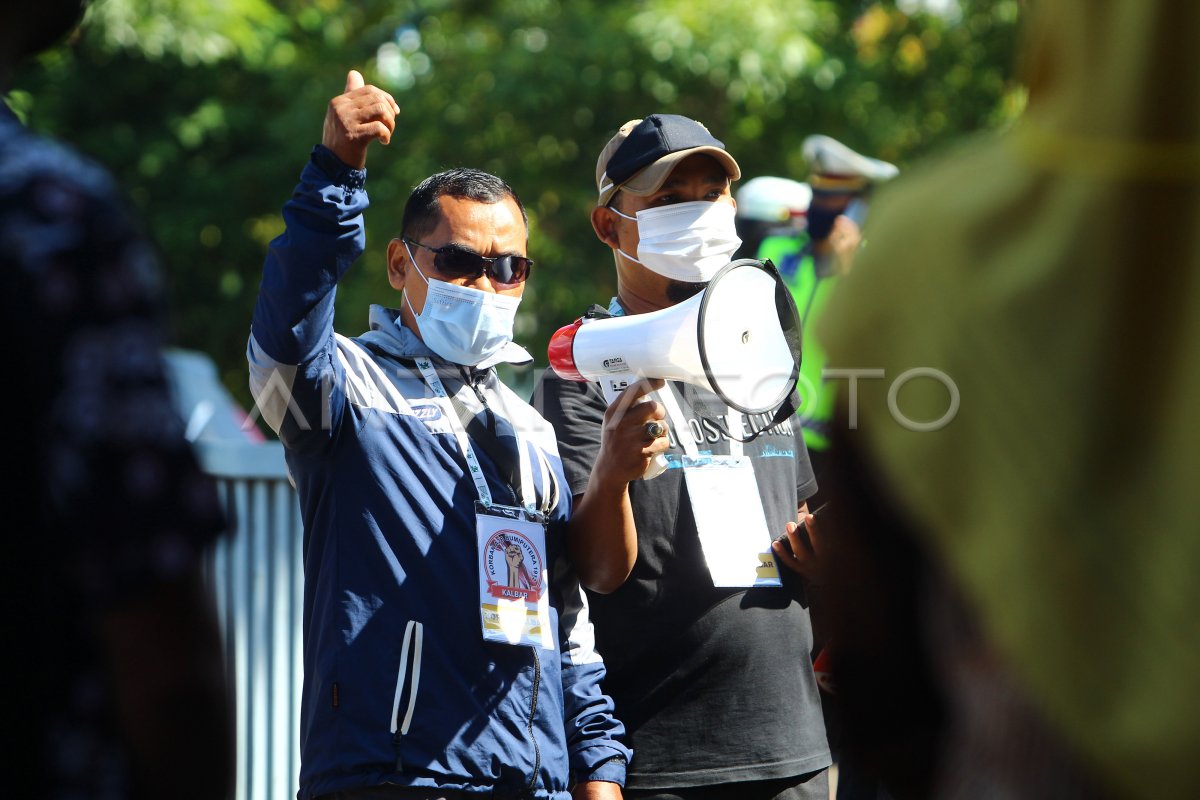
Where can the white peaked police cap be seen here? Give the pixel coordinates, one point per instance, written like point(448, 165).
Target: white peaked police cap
point(834, 166)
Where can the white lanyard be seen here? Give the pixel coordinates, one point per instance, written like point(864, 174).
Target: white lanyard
point(733, 421)
point(683, 434)
point(464, 443)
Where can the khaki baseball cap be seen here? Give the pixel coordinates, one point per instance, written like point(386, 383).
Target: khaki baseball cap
point(644, 151)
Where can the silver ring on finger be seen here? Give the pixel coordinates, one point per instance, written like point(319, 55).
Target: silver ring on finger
point(655, 429)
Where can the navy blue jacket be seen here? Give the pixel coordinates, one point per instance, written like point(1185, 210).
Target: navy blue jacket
point(399, 685)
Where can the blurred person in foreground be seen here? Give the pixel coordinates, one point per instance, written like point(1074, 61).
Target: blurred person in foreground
point(447, 648)
point(714, 682)
point(1024, 510)
point(113, 659)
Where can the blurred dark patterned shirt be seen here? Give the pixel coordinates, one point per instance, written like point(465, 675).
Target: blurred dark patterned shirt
point(104, 498)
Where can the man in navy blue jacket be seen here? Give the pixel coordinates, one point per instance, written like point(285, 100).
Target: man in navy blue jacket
point(448, 651)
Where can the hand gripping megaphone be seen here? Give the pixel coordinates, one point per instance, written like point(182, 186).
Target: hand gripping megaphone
point(739, 338)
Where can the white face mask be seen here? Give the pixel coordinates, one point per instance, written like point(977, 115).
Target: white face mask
point(687, 242)
point(461, 324)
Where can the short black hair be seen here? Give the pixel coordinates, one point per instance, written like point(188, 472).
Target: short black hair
point(422, 212)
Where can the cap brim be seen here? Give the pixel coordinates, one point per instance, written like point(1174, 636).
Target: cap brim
point(651, 178)
point(829, 157)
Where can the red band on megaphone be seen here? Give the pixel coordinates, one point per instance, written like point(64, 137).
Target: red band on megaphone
point(561, 352)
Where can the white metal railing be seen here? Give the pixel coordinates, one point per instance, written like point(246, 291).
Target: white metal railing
point(257, 579)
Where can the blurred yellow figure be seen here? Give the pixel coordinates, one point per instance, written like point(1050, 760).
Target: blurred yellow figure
point(1052, 277)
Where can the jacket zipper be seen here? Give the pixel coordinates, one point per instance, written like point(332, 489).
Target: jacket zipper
point(537, 752)
point(414, 635)
point(473, 381)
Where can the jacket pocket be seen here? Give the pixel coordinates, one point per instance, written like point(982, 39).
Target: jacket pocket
point(408, 676)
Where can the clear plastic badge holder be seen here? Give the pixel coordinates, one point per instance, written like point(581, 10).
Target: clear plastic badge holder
point(514, 574)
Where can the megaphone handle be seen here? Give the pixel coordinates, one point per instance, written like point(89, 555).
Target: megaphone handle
point(656, 467)
point(666, 396)
point(611, 387)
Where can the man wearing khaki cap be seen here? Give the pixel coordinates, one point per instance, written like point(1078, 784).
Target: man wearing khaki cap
point(714, 682)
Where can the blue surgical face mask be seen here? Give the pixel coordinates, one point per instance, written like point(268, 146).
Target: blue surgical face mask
point(461, 324)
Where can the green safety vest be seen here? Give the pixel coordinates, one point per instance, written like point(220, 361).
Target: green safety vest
point(793, 257)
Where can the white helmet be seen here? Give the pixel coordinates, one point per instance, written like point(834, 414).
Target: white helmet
point(769, 199)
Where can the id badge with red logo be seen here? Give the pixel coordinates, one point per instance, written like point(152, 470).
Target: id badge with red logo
point(514, 597)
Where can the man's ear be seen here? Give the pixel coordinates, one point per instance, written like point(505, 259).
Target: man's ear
point(397, 264)
point(604, 223)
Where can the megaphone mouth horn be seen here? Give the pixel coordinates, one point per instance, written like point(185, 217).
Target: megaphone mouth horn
point(753, 332)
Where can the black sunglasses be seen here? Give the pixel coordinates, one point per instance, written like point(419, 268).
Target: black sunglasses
point(458, 262)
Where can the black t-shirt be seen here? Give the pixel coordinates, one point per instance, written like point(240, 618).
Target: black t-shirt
point(715, 685)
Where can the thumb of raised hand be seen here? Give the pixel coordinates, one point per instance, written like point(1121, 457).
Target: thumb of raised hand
point(354, 80)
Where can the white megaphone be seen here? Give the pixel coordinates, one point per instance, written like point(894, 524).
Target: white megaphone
point(739, 338)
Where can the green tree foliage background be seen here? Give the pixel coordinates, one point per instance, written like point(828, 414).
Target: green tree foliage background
point(206, 111)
